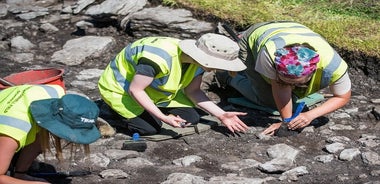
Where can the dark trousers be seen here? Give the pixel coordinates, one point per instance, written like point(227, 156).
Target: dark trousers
point(145, 124)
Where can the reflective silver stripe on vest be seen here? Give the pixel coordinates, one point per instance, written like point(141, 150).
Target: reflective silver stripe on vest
point(270, 31)
point(123, 82)
point(328, 71)
point(21, 124)
point(280, 42)
point(129, 52)
point(199, 71)
point(15, 123)
point(51, 91)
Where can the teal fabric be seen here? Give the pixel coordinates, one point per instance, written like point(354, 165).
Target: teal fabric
point(312, 99)
point(71, 117)
point(309, 101)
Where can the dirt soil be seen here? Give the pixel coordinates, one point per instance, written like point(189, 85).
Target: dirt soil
point(217, 146)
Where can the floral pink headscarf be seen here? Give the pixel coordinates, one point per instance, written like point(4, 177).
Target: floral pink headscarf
point(297, 61)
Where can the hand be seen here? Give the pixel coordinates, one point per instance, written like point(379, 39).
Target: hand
point(175, 121)
point(232, 121)
point(272, 128)
point(301, 121)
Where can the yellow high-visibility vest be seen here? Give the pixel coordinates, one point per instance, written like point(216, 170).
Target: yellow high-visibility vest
point(276, 35)
point(15, 118)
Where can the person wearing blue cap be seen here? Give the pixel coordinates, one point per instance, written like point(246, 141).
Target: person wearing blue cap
point(29, 114)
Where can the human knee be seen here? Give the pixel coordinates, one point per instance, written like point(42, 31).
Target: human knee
point(145, 131)
point(193, 118)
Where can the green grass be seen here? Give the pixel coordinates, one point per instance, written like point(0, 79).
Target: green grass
point(350, 24)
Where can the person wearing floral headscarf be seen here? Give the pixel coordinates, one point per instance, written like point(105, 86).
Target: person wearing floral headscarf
point(285, 61)
point(296, 61)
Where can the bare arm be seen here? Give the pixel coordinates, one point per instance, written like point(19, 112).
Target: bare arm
point(198, 97)
point(282, 95)
point(332, 104)
point(341, 90)
point(136, 90)
point(8, 147)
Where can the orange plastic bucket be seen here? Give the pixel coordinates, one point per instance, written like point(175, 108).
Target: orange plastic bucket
point(38, 76)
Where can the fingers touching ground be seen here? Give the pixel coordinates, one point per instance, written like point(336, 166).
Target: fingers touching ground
point(232, 121)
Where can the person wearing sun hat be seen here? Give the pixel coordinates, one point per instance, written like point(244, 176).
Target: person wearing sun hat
point(157, 80)
point(214, 51)
point(287, 61)
point(29, 114)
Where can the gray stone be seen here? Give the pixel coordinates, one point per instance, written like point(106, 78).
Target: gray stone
point(113, 173)
point(76, 51)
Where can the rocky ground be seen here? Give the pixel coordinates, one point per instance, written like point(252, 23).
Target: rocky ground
point(341, 147)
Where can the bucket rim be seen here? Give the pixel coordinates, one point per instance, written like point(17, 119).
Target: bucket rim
point(57, 76)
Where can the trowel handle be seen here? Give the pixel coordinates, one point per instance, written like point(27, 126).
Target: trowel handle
point(296, 113)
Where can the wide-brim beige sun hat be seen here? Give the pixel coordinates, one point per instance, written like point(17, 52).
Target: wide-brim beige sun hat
point(214, 51)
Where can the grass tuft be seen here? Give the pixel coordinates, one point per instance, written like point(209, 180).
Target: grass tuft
point(350, 24)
